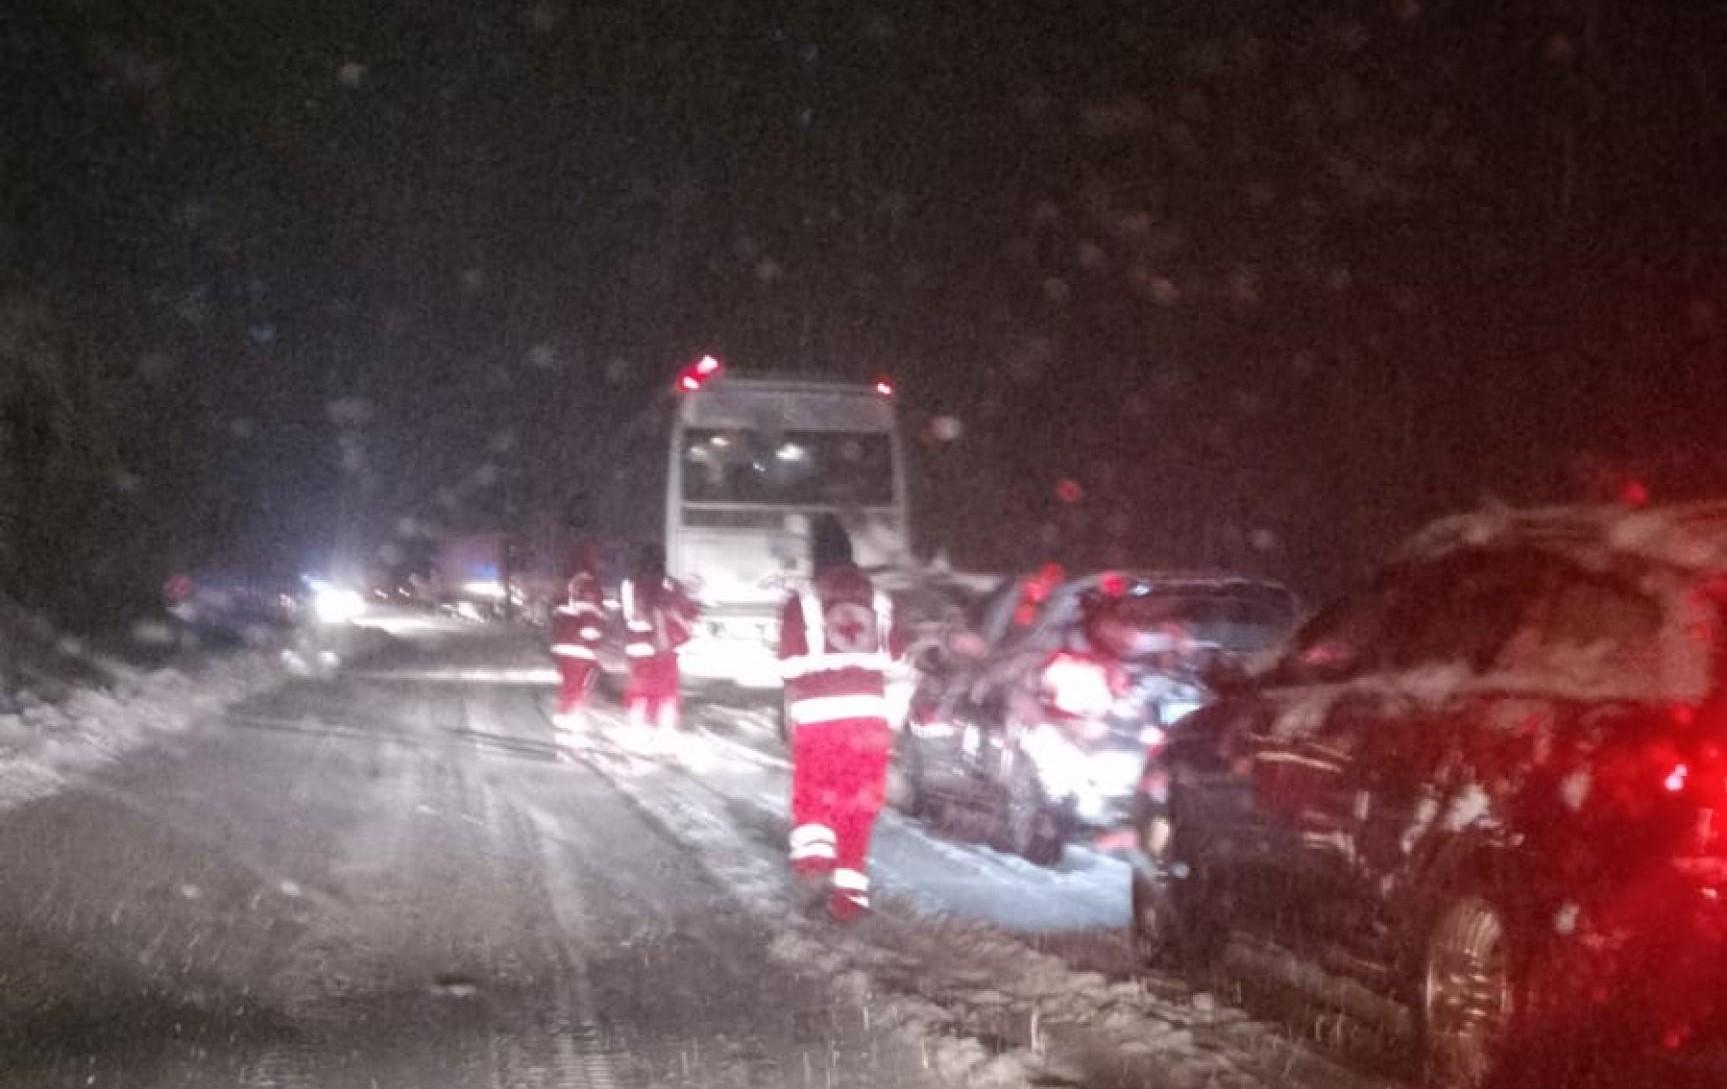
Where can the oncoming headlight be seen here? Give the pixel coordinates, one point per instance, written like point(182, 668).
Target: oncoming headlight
point(337, 604)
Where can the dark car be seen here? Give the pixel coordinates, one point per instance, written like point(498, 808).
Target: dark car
point(1480, 802)
point(1042, 727)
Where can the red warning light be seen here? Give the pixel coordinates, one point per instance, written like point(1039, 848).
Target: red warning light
point(1634, 493)
point(1069, 491)
point(692, 377)
point(884, 386)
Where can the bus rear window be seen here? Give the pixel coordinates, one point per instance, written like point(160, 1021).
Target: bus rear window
point(808, 468)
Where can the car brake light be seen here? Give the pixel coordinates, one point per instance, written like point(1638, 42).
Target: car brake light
point(1078, 686)
point(1675, 781)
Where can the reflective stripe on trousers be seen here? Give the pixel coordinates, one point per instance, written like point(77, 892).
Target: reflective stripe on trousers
point(851, 880)
point(813, 841)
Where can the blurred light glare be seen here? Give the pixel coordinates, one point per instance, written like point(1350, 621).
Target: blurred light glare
point(336, 604)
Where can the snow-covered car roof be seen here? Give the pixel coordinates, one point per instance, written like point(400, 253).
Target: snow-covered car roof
point(1690, 537)
point(1178, 581)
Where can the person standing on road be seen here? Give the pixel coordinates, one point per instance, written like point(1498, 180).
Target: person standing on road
point(836, 639)
point(658, 615)
point(578, 625)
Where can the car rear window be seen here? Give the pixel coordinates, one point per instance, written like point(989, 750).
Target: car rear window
point(1230, 621)
point(1590, 634)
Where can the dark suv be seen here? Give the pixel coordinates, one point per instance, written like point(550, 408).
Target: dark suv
point(1482, 801)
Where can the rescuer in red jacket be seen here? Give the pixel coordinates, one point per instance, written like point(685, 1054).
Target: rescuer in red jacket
point(835, 644)
point(658, 615)
point(578, 624)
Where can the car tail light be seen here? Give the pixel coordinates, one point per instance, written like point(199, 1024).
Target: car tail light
point(1675, 779)
point(1078, 686)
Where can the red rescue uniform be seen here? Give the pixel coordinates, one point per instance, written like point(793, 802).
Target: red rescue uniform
point(578, 625)
point(657, 620)
point(836, 639)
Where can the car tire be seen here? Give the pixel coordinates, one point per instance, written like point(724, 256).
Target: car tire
point(1468, 993)
point(1029, 826)
point(1177, 923)
point(1154, 926)
point(905, 789)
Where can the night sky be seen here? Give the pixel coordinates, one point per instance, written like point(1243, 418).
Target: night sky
point(1269, 282)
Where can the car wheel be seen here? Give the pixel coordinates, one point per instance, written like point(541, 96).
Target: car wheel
point(905, 781)
point(1030, 826)
point(1154, 925)
point(1468, 993)
point(1177, 922)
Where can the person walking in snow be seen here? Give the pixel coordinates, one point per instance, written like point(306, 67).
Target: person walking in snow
point(578, 624)
point(836, 639)
point(658, 616)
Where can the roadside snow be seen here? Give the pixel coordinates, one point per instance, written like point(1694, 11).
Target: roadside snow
point(59, 719)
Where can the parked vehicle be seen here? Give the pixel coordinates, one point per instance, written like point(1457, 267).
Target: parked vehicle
point(1042, 722)
point(1479, 802)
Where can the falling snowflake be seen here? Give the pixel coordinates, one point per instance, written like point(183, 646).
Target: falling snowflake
point(349, 411)
point(946, 429)
point(351, 74)
point(353, 456)
point(193, 306)
point(768, 270)
point(242, 427)
point(545, 15)
point(542, 357)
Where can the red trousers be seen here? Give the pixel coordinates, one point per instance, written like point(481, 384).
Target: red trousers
point(652, 695)
point(576, 677)
point(839, 780)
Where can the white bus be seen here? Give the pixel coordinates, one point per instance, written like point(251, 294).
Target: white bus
point(751, 462)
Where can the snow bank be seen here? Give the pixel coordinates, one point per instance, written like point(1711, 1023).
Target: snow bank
point(65, 710)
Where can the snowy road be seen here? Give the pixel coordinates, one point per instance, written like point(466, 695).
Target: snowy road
point(393, 880)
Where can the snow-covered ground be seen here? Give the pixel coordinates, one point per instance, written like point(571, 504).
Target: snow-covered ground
point(1008, 973)
point(66, 710)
